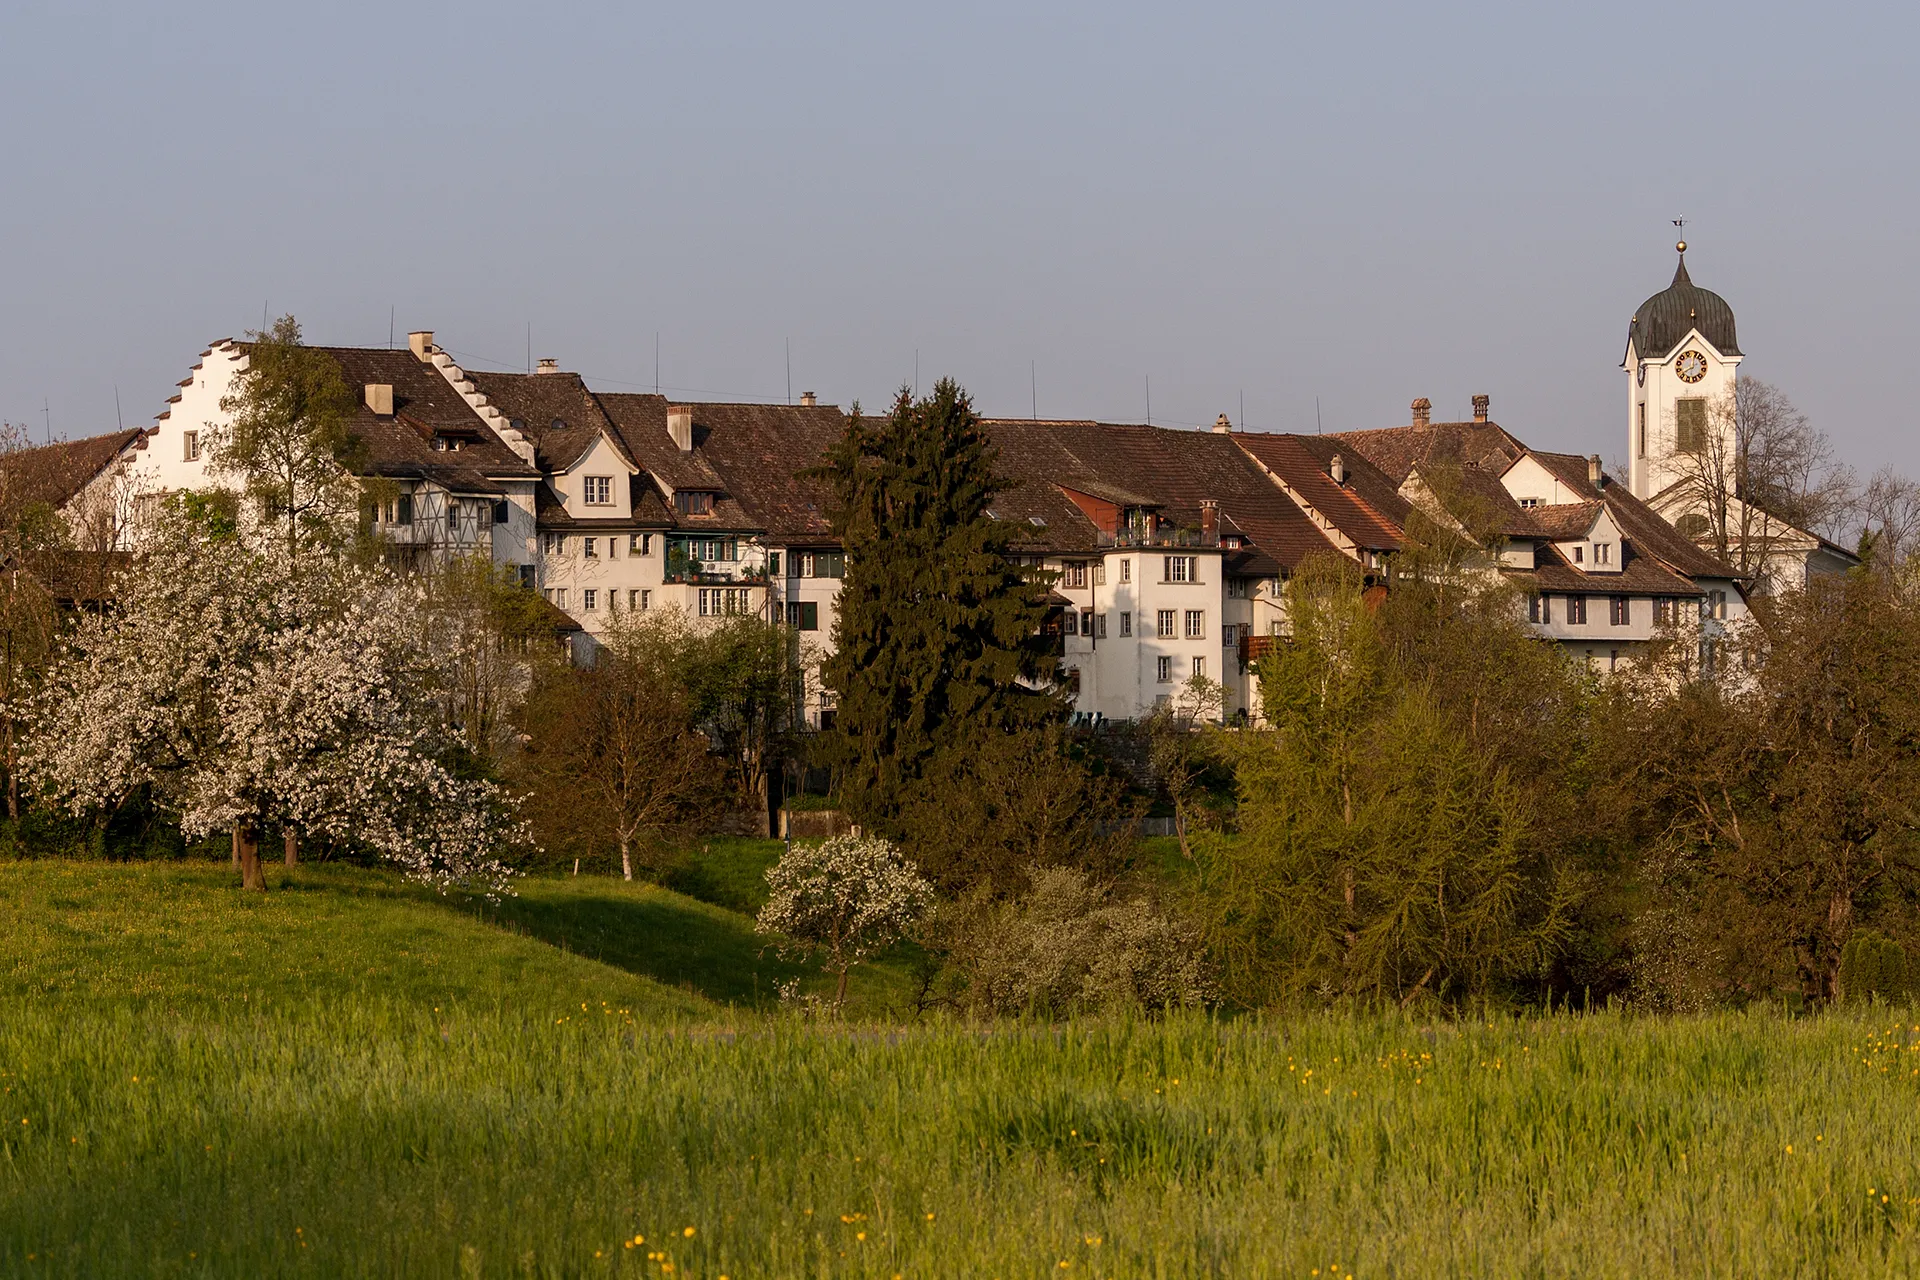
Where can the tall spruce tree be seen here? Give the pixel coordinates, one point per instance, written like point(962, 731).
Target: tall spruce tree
point(937, 626)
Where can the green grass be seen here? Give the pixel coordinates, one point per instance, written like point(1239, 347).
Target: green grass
point(219, 1087)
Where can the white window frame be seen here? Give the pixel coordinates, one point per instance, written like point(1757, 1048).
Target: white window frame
point(597, 491)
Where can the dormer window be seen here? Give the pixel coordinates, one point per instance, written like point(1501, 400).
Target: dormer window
point(598, 490)
point(447, 444)
point(1528, 504)
point(693, 502)
point(1579, 553)
point(1603, 553)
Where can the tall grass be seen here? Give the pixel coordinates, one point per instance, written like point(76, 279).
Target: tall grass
point(374, 1137)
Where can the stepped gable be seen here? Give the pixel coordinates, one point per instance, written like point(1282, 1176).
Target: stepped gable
point(1366, 507)
point(763, 452)
point(425, 406)
point(1663, 321)
point(1176, 470)
point(56, 473)
point(553, 410)
point(1647, 532)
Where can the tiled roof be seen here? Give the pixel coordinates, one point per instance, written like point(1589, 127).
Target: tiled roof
point(1176, 469)
point(554, 410)
point(1566, 521)
point(1367, 507)
point(424, 405)
point(1650, 534)
point(56, 473)
point(762, 452)
point(642, 423)
point(1638, 576)
point(1398, 450)
point(649, 512)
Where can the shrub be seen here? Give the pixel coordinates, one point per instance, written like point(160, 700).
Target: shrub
point(1872, 964)
point(1069, 943)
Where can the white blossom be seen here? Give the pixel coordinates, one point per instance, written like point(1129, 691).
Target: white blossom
point(848, 896)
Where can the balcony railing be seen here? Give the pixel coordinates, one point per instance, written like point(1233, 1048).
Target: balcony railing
point(1159, 538)
point(693, 571)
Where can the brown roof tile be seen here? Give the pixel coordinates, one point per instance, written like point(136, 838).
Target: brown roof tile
point(56, 473)
point(1367, 507)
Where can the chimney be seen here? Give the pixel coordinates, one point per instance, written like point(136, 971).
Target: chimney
point(680, 426)
point(1594, 476)
point(1422, 412)
point(1480, 406)
point(549, 365)
point(1337, 469)
point(1222, 425)
point(808, 400)
point(380, 398)
point(1209, 521)
point(420, 342)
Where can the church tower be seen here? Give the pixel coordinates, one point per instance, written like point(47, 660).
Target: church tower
point(1681, 362)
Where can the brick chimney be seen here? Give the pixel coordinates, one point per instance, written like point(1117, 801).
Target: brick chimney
point(808, 400)
point(1422, 412)
point(1481, 404)
point(548, 365)
point(1222, 425)
point(680, 426)
point(1595, 476)
point(420, 342)
point(1209, 521)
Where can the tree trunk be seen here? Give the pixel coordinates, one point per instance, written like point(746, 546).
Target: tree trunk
point(626, 859)
point(1839, 925)
point(236, 848)
point(840, 992)
point(247, 840)
point(293, 847)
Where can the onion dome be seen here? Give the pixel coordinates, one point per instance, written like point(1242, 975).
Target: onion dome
point(1664, 320)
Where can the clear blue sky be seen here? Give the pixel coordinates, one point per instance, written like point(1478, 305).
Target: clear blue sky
point(1360, 202)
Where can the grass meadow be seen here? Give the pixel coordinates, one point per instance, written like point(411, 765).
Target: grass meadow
point(353, 1078)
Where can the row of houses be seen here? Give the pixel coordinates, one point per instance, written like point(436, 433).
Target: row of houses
point(1169, 549)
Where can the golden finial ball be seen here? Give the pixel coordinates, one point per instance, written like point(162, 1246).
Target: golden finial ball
point(1682, 246)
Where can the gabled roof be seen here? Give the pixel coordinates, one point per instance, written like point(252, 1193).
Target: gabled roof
point(649, 511)
point(425, 405)
point(56, 473)
point(1367, 507)
point(641, 421)
point(1638, 575)
point(1650, 534)
point(762, 452)
point(555, 411)
point(1566, 521)
point(1398, 450)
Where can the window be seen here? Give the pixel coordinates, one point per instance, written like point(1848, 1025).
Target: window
point(803, 614)
point(1690, 425)
point(613, 548)
point(692, 502)
point(1074, 575)
point(1126, 621)
point(640, 600)
point(1179, 569)
point(587, 546)
point(773, 564)
point(1693, 525)
point(554, 544)
point(1100, 574)
point(1528, 504)
point(1236, 588)
point(589, 599)
point(1126, 571)
point(1579, 553)
point(1100, 627)
point(1577, 610)
point(1196, 624)
point(560, 597)
point(1620, 610)
point(1086, 622)
point(1538, 609)
point(1714, 605)
point(502, 511)
point(719, 602)
point(1640, 439)
point(1164, 669)
point(599, 490)
point(403, 513)
point(640, 544)
point(1229, 632)
point(1165, 623)
point(1603, 553)
point(190, 446)
point(827, 564)
point(1199, 667)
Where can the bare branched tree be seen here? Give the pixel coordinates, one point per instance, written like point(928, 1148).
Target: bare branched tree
point(1889, 510)
point(1759, 479)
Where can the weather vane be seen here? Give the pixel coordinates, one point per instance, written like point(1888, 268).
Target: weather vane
point(1682, 224)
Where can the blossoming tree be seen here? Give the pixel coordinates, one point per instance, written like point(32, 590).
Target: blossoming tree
point(248, 688)
point(847, 897)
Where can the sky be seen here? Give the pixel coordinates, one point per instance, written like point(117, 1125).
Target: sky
point(1316, 212)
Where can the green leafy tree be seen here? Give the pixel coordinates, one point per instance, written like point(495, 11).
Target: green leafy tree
point(937, 627)
point(742, 678)
point(289, 440)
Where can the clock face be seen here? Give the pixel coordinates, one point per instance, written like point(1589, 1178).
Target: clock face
point(1692, 366)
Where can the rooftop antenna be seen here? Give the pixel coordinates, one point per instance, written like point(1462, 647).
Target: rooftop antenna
point(656, 362)
point(390, 311)
point(1149, 399)
point(117, 416)
point(46, 411)
point(263, 317)
point(529, 346)
point(1033, 388)
point(789, 370)
point(1317, 428)
point(1243, 408)
point(916, 373)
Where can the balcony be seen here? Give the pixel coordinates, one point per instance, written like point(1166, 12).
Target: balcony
point(720, 574)
point(1148, 538)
